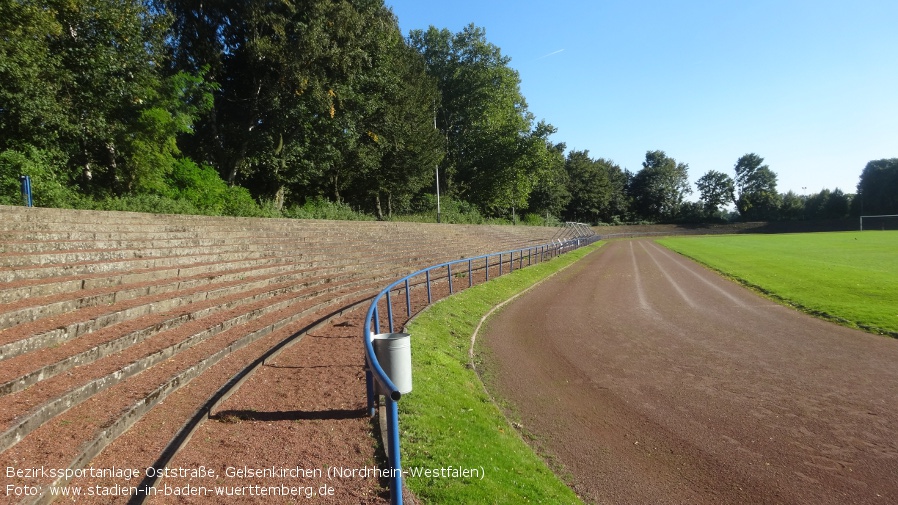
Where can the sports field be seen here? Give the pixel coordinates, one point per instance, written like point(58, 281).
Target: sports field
point(847, 277)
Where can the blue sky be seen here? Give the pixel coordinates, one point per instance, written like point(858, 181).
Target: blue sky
point(810, 86)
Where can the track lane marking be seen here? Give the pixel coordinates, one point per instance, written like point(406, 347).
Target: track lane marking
point(737, 301)
point(669, 279)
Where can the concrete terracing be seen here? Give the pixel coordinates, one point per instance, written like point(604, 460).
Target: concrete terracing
point(103, 315)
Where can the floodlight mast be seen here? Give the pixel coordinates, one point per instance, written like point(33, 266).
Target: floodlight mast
point(437, 166)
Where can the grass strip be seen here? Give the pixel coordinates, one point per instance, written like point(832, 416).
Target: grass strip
point(850, 278)
point(448, 420)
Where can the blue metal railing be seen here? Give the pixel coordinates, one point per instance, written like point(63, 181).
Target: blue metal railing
point(573, 238)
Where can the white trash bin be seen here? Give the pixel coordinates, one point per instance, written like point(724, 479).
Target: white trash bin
point(394, 353)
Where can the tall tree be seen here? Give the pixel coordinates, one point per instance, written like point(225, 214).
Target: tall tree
point(30, 112)
point(877, 189)
point(658, 190)
point(550, 193)
point(401, 143)
point(792, 207)
point(482, 116)
point(715, 190)
point(87, 83)
point(284, 116)
point(596, 188)
point(756, 186)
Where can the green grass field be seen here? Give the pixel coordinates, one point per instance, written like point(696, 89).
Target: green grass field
point(449, 420)
point(847, 277)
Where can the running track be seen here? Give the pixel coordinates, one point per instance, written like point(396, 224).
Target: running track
point(652, 380)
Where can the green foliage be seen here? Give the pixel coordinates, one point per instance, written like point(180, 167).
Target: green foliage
point(297, 100)
point(30, 112)
point(877, 190)
point(850, 278)
point(658, 190)
point(199, 185)
point(49, 187)
point(755, 183)
point(239, 202)
point(321, 208)
point(493, 152)
point(715, 189)
point(792, 207)
point(827, 205)
point(452, 211)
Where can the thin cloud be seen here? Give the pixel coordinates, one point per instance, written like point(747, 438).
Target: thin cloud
point(550, 54)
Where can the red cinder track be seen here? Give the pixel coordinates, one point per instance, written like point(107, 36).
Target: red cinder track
point(651, 379)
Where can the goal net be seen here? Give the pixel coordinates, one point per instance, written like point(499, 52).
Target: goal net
point(886, 222)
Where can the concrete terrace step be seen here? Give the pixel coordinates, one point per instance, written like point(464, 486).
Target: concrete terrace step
point(63, 331)
point(105, 315)
point(150, 355)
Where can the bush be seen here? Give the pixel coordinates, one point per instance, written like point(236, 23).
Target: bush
point(199, 185)
point(49, 187)
point(451, 211)
point(239, 202)
point(322, 208)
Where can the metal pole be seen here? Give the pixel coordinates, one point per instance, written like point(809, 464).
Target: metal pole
point(408, 300)
point(390, 311)
point(25, 180)
point(437, 167)
point(393, 441)
point(438, 186)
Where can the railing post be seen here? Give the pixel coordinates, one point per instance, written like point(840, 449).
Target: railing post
point(486, 262)
point(408, 300)
point(376, 320)
point(393, 442)
point(511, 261)
point(427, 274)
point(390, 311)
point(500, 263)
point(470, 277)
point(25, 181)
point(449, 276)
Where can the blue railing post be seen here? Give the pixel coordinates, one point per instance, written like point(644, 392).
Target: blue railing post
point(25, 181)
point(486, 266)
point(395, 461)
point(500, 263)
point(470, 277)
point(449, 276)
point(408, 300)
point(429, 300)
point(390, 311)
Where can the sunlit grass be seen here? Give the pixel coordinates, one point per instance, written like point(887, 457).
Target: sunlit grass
point(847, 277)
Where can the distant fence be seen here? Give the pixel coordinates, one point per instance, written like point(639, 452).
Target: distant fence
point(572, 236)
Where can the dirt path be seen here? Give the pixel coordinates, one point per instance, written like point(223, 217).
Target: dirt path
point(653, 380)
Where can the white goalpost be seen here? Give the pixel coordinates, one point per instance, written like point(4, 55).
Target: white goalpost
point(878, 217)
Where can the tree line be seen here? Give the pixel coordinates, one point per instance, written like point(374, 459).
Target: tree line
point(269, 108)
